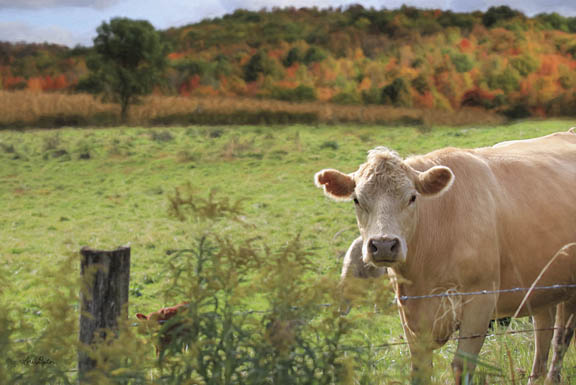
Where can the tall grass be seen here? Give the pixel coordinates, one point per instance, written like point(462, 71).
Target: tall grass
point(19, 109)
point(280, 236)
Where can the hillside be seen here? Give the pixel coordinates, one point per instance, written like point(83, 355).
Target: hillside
point(499, 60)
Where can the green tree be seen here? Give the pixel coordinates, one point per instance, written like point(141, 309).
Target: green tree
point(462, 62)
point(128, 62)
point(396, 94)
point(494, 15)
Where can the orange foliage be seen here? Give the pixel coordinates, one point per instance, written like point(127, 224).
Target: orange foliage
point(391, 65)
point(35, 84)
point(203, 90)
point(276, 54)
point(365, 84)
point(286, 84)
point(325, 93)
point(549, 65)
point(423, 101)
point(358, 54)
point(47, 83)
point(465, 46)
point(176, 55)
point(291, 71)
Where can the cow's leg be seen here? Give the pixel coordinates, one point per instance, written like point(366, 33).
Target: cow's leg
point(543, 331)
point(476, 317)
point(421, 357)
point(563, 332)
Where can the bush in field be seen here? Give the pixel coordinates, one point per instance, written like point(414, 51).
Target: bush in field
point(254, 317)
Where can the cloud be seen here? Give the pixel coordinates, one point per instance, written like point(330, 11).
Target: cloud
point(18, 32)
point(37, 4)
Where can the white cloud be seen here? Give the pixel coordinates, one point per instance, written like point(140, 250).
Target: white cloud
point(36, 4)
point(18, 32)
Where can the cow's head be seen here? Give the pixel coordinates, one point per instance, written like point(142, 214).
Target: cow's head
point(386, 193)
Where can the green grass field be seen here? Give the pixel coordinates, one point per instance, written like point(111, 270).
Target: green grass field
point(61, 190)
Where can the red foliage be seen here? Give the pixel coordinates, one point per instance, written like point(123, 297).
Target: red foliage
point(176, 55)
point(60, 82)
point(423, 101)
point(291, 71)
point(465, 45)
point(476, 97)
point(189, 85)
point(13, 82)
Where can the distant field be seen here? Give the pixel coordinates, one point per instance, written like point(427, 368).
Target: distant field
point(64, 189)
point(25, 109)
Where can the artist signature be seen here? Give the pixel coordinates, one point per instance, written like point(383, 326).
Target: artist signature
point(30, 360)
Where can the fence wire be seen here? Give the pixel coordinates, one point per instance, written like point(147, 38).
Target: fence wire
point(485, 292)
point(404, 343)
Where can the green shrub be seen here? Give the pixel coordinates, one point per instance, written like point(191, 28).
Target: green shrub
point(396, 94)
point(301, 93)
point(346, 98)
point(462, 62)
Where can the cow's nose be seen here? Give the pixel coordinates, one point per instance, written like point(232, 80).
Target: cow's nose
point(384, 249)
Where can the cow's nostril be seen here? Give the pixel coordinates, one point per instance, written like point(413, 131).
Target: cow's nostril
point(394, 246)
point(372, 246)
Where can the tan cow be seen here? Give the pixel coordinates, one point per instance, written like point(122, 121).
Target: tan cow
point(469, 220)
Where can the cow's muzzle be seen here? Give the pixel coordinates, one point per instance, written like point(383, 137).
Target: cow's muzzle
point(384, 249)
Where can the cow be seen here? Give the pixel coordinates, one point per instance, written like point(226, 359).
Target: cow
point(170, 328)
point(470, 220)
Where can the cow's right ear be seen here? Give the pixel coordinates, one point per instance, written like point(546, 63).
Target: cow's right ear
point(336, 185)
point(141, 316)
point(434, 181)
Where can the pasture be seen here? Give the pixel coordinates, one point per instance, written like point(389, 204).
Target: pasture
point(64, 189)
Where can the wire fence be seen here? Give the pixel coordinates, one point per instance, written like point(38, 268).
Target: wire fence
point(405, 343)
point(485, 292)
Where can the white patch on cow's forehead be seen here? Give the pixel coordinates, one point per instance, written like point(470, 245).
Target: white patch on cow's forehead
point(384, 169)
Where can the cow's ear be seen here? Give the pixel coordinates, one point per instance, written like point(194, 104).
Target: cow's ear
point(141, 316)
point(336, 185)
point(434, 181)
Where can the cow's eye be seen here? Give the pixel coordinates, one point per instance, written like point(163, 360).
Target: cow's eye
point(356, 202)
point(412, 199)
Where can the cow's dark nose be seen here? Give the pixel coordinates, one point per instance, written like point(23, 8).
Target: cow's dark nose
point(384, 249)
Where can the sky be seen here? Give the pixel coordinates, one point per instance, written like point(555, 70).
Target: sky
point(74, 22)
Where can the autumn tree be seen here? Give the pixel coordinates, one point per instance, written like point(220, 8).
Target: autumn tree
point(128, 62)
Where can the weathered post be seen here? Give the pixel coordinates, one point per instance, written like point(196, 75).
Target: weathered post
point(103, 297)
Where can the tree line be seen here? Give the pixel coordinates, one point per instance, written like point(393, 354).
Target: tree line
point(499, 60)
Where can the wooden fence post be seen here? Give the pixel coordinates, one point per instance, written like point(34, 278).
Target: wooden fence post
point(103, 297)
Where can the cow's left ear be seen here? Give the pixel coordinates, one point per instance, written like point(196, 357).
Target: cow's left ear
point(434, 181)
point(141, 316)
point(336, 185)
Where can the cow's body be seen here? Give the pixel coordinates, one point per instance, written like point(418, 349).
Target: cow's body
point(486, 219)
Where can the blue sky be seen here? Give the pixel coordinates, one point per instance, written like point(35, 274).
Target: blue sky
point(72, 22)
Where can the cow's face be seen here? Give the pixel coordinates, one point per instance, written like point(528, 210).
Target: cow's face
point(386, 193)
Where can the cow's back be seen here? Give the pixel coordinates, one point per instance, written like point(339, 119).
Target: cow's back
point(536, 208)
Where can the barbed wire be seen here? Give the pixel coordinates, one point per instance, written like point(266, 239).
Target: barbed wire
point(404, 343)
point(485, 292)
